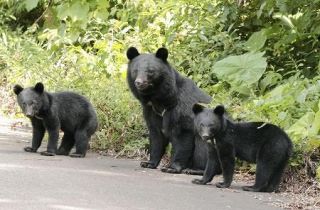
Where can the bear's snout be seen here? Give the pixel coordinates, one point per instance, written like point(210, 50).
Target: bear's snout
point(29, 111)
point(205, 137)
point(141, 84)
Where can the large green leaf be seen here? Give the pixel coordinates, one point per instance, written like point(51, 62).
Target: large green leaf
point(242, 71)
point(256, 41)
point(79, 11)
point(76, 11)
point(270, 78)
point(315, 127)
point(30, 4)
point(300, 128)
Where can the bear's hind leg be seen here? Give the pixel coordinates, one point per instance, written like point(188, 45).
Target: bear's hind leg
point(81, 142)
point(182, 152)
point(276, 177)
point(263, 173)
point(66, 144)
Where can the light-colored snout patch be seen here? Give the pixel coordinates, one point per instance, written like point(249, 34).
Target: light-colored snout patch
point(205, 133)
point(29, 112)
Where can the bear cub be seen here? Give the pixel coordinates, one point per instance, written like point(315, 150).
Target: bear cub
point(70, 112)
point(256, 142)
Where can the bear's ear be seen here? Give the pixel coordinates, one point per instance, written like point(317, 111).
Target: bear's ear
point(162, 53)
point(132, 52)
point(219, 110)
point(197, 108)
point(17, 89)
point(39, 87)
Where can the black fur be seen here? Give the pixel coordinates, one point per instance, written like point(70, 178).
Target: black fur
point(70, 112)
point(256, 142)
point(167, 98)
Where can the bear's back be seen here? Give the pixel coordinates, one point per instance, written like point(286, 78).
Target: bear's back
point(250, 137)
point(189, 94)
point(73, 110)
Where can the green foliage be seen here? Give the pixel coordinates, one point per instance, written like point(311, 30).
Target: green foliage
point(30, 4)
point(242, 71)
point(256, 41)
point(121, 126)
point(260, 59)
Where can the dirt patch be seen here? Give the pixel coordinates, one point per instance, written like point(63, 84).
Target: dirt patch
point(299, 189)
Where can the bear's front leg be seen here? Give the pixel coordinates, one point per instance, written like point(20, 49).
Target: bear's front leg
point(53, 131)
point(226, 155)
point(158, 146)
point(38, 131)
point(212, 167)
point(158, 142)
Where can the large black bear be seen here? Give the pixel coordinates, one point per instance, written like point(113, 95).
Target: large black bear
point(167, 99)
point(255, 142)
point(70, 112)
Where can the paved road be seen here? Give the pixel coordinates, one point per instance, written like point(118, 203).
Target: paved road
point(32, 181)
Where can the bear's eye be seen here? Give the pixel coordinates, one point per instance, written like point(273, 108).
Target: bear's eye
point(150, 72)
point(134, 72)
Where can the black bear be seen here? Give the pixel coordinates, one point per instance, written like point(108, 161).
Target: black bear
point(256, 142)
point(70, 112)
point(167, 99)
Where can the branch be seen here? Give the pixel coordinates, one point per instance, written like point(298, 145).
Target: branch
point(44, 12)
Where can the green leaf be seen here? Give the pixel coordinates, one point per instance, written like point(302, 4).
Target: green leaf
point(285, 19)
point(203, 37)
point(62, 11)
point(313, 143)
point(256, 41)
point(301, 127)
point(271, 78)
point(315, 127)
point(79, 11)
point(242, 71)
point(103, 4)
point(30, 4)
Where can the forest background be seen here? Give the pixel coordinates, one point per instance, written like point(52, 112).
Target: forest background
point(260, 58)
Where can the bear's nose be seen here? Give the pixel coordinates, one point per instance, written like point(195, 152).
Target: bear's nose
point(205, 137)
point(140, 84)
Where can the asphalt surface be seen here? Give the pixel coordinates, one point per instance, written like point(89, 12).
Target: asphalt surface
point(32, 181)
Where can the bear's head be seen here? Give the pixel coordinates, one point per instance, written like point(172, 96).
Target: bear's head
point(209, 122)
point(147, 71)
point(31, 100)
